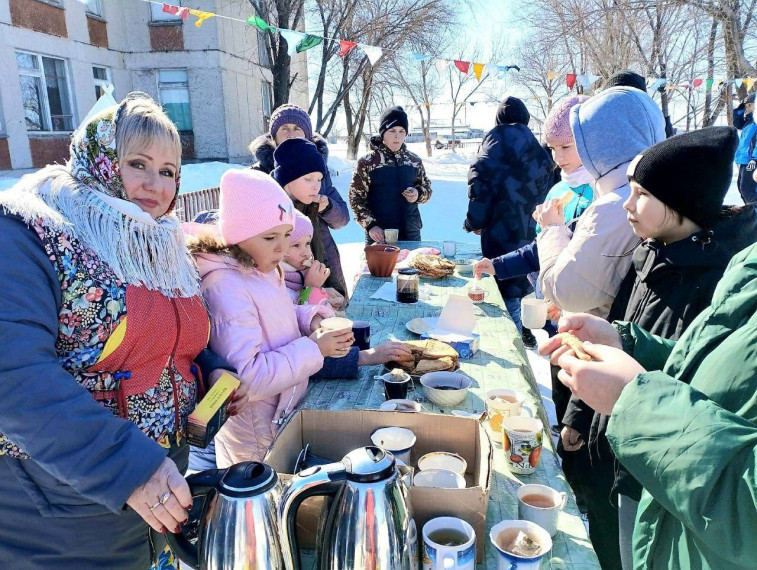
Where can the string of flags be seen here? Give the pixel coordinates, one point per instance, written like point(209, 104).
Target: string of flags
point(586, 81)
point(298, 42)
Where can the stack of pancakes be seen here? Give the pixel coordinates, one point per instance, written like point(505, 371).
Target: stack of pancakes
point(427, 356)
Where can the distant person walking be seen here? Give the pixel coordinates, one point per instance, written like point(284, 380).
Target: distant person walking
point(746, 154)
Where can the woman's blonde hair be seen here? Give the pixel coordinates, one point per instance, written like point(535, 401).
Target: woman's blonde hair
point(141, 122)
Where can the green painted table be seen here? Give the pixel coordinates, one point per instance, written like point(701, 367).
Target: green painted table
point(500, 363)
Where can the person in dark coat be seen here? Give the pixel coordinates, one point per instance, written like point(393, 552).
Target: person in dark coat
point(330, 212)
point(678, 187)
point(389, 183)
point(509, 178)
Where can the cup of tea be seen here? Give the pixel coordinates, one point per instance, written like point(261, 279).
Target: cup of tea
point(362, 332)
point(533, 312)
point(541, 505)
point(449, 542)
point(396, 440)
point(395, 387)
point(477, 294)
point(502, 403)
point(391, 236)
point(522, 440)
point(520, 545)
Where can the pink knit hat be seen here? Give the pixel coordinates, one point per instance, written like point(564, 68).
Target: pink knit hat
point(251, 203)
point(557, 124)
point(302, 226)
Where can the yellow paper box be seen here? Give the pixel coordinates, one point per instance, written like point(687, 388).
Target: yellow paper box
point(212, 412)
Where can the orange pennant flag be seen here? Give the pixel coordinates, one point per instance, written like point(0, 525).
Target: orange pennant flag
point(478, 69)
point(552, 75)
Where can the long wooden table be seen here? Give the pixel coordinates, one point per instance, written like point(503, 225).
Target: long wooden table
point(500, 363)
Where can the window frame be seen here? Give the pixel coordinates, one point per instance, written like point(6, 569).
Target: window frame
point(157, 16)
point(39, 73)
point(102, 83)
point(175, 85)
point(99, 12)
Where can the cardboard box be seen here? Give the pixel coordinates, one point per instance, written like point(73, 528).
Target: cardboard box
point(465, 347)
point(212, 412)
point(333, 434)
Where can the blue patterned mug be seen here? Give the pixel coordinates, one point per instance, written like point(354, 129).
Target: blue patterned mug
point(449, 543)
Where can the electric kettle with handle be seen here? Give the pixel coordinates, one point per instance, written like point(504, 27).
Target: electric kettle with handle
point(369, 523)
point(238, 524)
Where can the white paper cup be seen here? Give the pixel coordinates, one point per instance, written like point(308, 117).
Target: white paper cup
point(439, 478)
point(460, 556)
point(396, 440)
point(502, 533)
point(391, 236)
point(541, 505)
point(522, 441)
point(533, 312)
point(337, 324)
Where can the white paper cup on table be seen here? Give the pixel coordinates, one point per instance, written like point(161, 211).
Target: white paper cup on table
point(391, 236)
point(337, 324)
point(541, 505)
point(439, 478)
point(520, 545)
point(449, 543)
point(396, 440)
point(533, 312)
point(522, 441)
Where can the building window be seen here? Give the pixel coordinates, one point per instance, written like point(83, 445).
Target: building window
point(102, 79)
point(94, 7)
point(45, 92)
point(264, 57)
point(173, 87)
point(158, 15)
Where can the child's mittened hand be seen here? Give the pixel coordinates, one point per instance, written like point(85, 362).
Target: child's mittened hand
point(317, 275)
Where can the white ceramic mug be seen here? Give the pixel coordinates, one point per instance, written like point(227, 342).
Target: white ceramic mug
point(443, 460)
point(522, 441)
point(396, 440)
point(502, 403)
point(501, 535)
point(439, 478)
point(391, 236)
point(533, 312)
point(541, 505)
point(460, 556)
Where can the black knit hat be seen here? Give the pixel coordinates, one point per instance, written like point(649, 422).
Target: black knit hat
point(393, 117)
point(512, 110)
point(626, 78)
point(690, 173)
point(294, 158)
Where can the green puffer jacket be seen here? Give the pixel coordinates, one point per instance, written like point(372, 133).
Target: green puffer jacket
point(689, 433)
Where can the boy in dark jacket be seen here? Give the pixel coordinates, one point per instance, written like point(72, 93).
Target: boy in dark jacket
point(389, 183)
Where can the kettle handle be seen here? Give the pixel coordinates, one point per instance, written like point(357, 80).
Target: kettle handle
point(316, 481)
point(201, 485)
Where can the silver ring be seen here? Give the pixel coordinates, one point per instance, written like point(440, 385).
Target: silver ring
point(155, 506)
point(164, 497)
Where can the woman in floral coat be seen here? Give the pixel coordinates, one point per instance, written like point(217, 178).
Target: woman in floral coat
point(93, 408)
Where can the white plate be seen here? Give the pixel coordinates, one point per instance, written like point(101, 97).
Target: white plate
point(420, 325)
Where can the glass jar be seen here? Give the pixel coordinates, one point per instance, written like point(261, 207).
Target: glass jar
point(408, 285)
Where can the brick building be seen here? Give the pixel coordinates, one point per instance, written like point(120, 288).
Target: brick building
point(57, 55)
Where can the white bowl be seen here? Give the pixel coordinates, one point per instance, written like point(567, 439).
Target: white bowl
point(456, 387)
point(400, 406)
point(440, 478)
point(443, 460)
point(464, 265)
point(398, 441)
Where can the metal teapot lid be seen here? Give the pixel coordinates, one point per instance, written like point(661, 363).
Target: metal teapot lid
point(368, 464)
point(247, 479)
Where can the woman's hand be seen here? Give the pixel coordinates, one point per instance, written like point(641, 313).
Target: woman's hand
point(164, 500)
point(323, 202)
point(586, 328)
point(410, 194)
point(377, 234)
point(599, 382)
point(333, 343)
point(571, 439)
point(317, 275)
point(240, 396)
point(383, 353)
point(483, 266)
point(551, 213)
point(553, 312)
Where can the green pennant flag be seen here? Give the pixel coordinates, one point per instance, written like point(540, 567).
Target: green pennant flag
point(309, 41)
point(708, 83)
point(259, 23)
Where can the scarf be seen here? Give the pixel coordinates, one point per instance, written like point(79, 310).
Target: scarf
point(578, 177)
point(86, 198)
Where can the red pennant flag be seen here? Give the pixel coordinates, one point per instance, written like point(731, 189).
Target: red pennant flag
point(570, 80)
point(697, 82)
point(463, 66)
point(346, 47)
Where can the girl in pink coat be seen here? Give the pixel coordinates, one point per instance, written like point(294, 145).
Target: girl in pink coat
point(274, 345)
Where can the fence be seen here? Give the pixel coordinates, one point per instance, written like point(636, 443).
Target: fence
point(192, 203)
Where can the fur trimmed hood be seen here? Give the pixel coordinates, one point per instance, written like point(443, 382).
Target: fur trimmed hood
point(263, 146)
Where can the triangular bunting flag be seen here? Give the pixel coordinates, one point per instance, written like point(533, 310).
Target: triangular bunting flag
point(201, 16)
point(708, 83)
point(583, 81)
point(697, 82)
point(441, 64)
point(374, 53)
point(570, 80)
point(719, 82)
point(259, 23)
point(346, 47)
point(421, 56)
point(738, 82)
point(478, 69)
point(293, 39)
point(308, 42)
point(658, 84)
point(593, 79)
point(552, 75)
point(463, 66)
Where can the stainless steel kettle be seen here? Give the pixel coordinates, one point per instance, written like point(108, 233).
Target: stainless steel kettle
point(369, 523)
point(236, 511)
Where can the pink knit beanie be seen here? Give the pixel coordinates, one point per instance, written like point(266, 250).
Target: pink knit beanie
point(251, 203)
point(557, 124)
point(302, 226)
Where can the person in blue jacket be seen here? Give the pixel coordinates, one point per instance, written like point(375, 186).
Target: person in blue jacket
point(746, 154)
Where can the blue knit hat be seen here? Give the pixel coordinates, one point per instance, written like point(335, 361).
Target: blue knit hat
point(291, 115)
point(294, 158)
